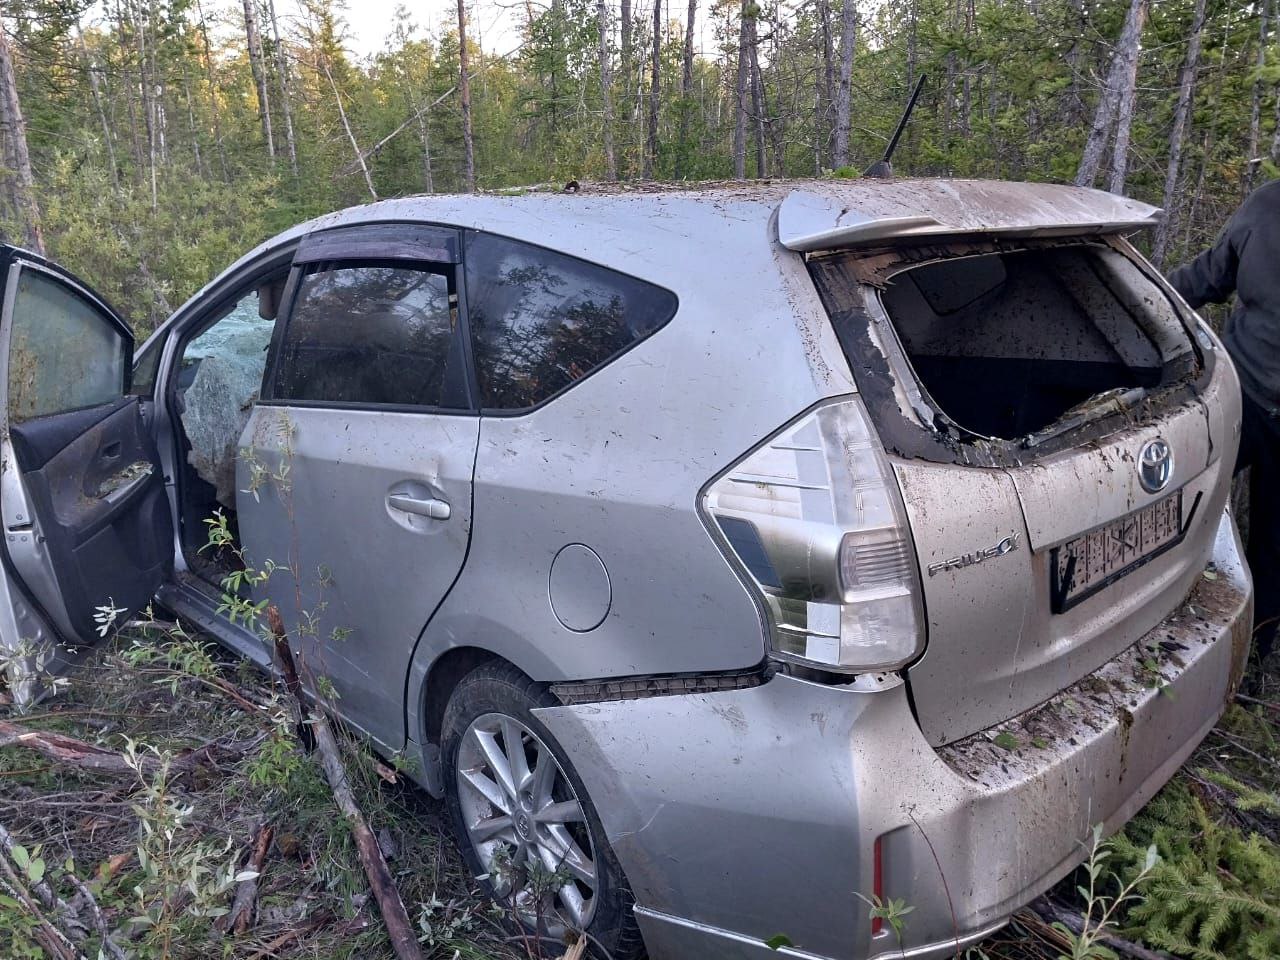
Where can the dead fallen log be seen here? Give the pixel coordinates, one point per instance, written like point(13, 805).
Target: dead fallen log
point(88, 756)
point(59, 746)
point(394, 914)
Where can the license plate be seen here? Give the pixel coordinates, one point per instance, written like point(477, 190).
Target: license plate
point(1083, 566)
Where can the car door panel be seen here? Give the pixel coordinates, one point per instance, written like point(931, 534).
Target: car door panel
point(82, 496)
point(369, 574)
point(98, 493)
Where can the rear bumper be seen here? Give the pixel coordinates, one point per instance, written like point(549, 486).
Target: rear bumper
point(745, 814)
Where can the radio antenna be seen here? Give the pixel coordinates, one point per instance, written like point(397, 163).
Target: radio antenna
point(883, 168)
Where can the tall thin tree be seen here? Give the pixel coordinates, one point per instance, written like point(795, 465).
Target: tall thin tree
point(282, 69)
point(1178, 135)
point(1255, 114)
point(1123, 59)
point(214, 110)
point(253, 42)
point(1127, 102)
point(741, 92)
point(686, 88)
point(848, 40)
point(655, 92)
point(464, 96)
point(606, 91)
point(22, 185)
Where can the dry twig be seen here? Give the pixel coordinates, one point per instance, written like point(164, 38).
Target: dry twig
point(394, 915)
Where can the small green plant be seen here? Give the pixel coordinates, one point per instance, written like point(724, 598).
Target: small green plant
point(180, 878)
point(891, 910)
point(444, 923)
point(1101, 913)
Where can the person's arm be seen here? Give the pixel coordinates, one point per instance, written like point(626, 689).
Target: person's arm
point(1211, 277)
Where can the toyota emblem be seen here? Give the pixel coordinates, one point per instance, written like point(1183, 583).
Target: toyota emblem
point(1155, 466)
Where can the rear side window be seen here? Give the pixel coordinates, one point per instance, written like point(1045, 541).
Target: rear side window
point(372, 334)
point(541, 321)
point(64, 352)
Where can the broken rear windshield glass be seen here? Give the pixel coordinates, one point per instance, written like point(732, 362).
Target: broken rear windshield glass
point(1007, 342)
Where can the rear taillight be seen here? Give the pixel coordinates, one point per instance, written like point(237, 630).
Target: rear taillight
point(815, 518)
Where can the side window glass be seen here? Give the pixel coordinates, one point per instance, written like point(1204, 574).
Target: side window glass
point(372, 334)
point(146, 364)
point(64, 352)
point(541, 320)
point(219, 379)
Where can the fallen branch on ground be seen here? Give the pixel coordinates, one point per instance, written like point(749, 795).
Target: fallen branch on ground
point(241, 914)
point(69, 913)
point(81, 753)
point(394, 915)
point(54, 942)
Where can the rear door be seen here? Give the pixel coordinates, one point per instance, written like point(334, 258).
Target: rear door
point(356, 467)
point(87, 530)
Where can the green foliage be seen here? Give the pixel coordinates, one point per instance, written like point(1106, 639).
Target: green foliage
point(1100, 911)
point(148, 212)
point(1215, 893)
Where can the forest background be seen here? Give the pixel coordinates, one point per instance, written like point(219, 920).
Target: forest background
point(146, 144)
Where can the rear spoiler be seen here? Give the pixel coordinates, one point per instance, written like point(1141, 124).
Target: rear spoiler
point(863, 212)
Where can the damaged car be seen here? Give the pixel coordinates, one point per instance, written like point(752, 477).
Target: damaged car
point(730, 555)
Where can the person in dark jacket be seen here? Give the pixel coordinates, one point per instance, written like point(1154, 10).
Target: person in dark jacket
point(1246, 261)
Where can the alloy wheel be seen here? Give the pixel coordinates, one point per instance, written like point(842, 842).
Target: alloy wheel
point(526, 825)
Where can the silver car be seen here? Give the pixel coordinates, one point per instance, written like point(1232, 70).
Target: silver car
point(725, 557)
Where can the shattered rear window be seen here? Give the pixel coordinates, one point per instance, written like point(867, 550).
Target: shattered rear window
point(1006, 342)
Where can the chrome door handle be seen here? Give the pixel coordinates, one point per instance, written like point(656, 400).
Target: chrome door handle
point(430, 507)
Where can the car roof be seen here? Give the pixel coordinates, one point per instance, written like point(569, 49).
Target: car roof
point(640, 227)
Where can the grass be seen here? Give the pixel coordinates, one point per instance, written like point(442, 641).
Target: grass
point(165, 845)
point(313, 899)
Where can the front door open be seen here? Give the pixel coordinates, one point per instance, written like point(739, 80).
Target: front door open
point(88, 535)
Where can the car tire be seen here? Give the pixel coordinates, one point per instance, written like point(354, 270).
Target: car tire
point(490, 709)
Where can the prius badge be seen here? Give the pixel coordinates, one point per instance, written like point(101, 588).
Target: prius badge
point(1007, 545)
point(1155, 466)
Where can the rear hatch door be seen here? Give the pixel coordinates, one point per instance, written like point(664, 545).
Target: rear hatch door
point(1042, 554)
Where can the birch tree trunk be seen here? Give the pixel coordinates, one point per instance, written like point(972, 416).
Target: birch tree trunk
point(1255, 116)
point(1128, 100)
point(740, 94)
point(346, 125)
point(1113, 89)
point(464, 95)
point(282, 68)
point(848, 39)
point(253, 41)
point(606, 91)
point(1178, 136)
point(22, 187)
point(655, 90)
